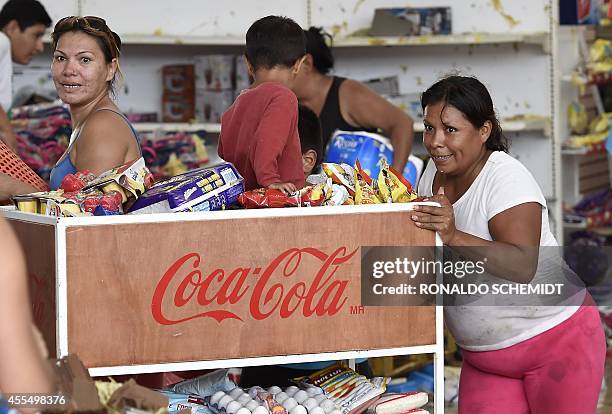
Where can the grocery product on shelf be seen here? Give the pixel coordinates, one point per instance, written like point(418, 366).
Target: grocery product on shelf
point(398, 403)
point(274, 400)
point(43, 132)
point(174, 152)
point(594, 210)
point(347, 389)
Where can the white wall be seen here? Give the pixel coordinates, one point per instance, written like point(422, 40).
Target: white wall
point(518, 76)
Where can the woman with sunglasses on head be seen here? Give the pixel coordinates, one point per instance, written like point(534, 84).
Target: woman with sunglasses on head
point(346, 104)
point(85, 69)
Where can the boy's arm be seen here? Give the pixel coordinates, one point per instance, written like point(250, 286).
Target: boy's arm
point(278, 123)
point(6, 131)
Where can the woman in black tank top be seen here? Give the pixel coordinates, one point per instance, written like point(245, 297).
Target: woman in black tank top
point(346, 104)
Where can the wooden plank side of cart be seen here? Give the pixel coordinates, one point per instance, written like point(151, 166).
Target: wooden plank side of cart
point(38, 245)
point(152, 293)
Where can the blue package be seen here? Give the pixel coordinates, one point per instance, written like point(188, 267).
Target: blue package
point(370, 149)
point(428, 369)
point(425, 381)
point(407, 386)
point(203, 189)
point(101, 211)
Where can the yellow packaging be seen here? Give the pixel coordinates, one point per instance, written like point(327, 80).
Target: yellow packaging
point(113, 186)
point(577, 118)
point(600, 50)
point(364, 193)
point(26, 204)
point(392, 187)
point(600, 124)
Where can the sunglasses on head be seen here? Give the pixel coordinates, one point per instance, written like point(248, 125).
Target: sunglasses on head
point(89, 22)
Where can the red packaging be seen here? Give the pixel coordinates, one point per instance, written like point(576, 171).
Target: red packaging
point(272, 198)
point(76, 182)
point(110, 201)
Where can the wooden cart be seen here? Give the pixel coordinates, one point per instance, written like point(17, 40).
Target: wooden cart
point(170, 292)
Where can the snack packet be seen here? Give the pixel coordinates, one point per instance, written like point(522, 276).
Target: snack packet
point(207, 384)
point(131, 180)
point(392, 187)
point(364, 193)
point(77, 181)
point(203, 189)
point(310, 196)
point(342, 174)
point(346, 388)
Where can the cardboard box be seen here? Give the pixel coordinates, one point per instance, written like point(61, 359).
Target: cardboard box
point(243, 79)
point(388, 86)
point(214, 72)
point(177, 108)
point(408, 21)
point(178, 80)
point(210, 105)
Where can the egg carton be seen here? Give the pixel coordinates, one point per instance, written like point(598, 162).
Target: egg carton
point(292, 399)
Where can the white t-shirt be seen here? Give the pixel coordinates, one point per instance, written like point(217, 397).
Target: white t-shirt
point(502, 183)
point(6, 72)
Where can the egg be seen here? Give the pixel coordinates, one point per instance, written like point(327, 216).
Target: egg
point(251, 405)
point(274, 390)
point(336, 412)
point(312, 391)
point(316, 410)
point(328, 406)
point(236, 392)
point(262, 410)
point(291, 390)
point(243, 399)
point(216, 397)
point(289, 403)
point(223, 402)
point(280, 397)
point(300, 396)
point(243, 410)
point(310, 403)
point(232, 407)
point(319, 398)
point(298, 409)
point(253, 391)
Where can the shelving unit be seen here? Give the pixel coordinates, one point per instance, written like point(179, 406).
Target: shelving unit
point(530, 123)
point(178, 126)
point(538, 38)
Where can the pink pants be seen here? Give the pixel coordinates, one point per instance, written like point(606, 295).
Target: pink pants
point(558, 371)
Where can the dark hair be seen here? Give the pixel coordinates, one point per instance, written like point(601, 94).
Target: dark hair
point(471, 97)
point(309, 129)
point(274, 41)
point(26, 12)
point(109, 41)
point(317, 47)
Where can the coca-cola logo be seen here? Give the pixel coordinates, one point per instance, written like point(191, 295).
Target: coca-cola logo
point(268, 290)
